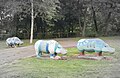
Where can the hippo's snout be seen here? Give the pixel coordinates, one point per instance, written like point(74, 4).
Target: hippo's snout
point(112, 50)
point(108, 49)
point(63, 51)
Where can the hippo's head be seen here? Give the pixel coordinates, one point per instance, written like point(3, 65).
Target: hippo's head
point(107, 48)
point(60, 50)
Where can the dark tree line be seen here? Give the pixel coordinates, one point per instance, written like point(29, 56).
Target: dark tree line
point(59, 18)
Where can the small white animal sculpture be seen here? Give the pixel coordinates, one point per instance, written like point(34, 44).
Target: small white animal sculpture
point(13, 41)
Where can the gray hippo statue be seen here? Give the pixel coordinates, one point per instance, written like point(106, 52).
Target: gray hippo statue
point(49, 46)
point(13, 41)
point(97, 45)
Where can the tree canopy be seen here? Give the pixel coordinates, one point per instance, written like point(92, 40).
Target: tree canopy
point(59, 18)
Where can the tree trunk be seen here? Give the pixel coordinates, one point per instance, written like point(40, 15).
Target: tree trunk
point(72, 28)
point(84, 24)
point(106, 23)
point(44, 29)
point(32, 22)
point(80, 25)
point(84, 27)
point(94, 17)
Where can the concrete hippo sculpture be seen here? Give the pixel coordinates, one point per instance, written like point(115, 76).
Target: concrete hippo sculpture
point(96, 45)
point(13, 41)
point(48, 46)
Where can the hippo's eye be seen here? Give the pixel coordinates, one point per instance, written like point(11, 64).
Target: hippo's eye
point(58, 47)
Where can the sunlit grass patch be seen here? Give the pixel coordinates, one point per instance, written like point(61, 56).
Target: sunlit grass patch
point(72, 51)
point(40, 68)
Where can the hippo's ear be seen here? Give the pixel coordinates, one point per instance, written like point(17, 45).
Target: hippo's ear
point(59, 46)
point(105, 45)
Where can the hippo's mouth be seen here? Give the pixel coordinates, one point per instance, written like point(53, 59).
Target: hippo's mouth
point(111, 50)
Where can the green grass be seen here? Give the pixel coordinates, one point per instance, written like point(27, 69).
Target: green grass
point(36, 68)
point(47, 68)
point(72, 51)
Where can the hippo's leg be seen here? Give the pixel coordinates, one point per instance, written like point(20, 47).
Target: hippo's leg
point(98, 53)
point(82, 53)
point(18, 45)
point(52, 56)
point(12, 45)
point(39, 54)
point(55, 54)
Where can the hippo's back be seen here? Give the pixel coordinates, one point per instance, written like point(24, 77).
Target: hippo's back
point(90, 44)
point(45, 45)
point(10, 41)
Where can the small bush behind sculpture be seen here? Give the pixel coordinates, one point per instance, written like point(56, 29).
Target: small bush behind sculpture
point(48, 46)
point(13, 41)
point(97, 45)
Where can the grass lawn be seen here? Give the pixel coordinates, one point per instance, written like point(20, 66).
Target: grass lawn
point(45, 68)
point(40, 68)
point(36, 68)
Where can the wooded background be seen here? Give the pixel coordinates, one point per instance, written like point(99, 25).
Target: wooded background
point(59, 18)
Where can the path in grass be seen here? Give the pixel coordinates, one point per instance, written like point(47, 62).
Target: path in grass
point(11, 54)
